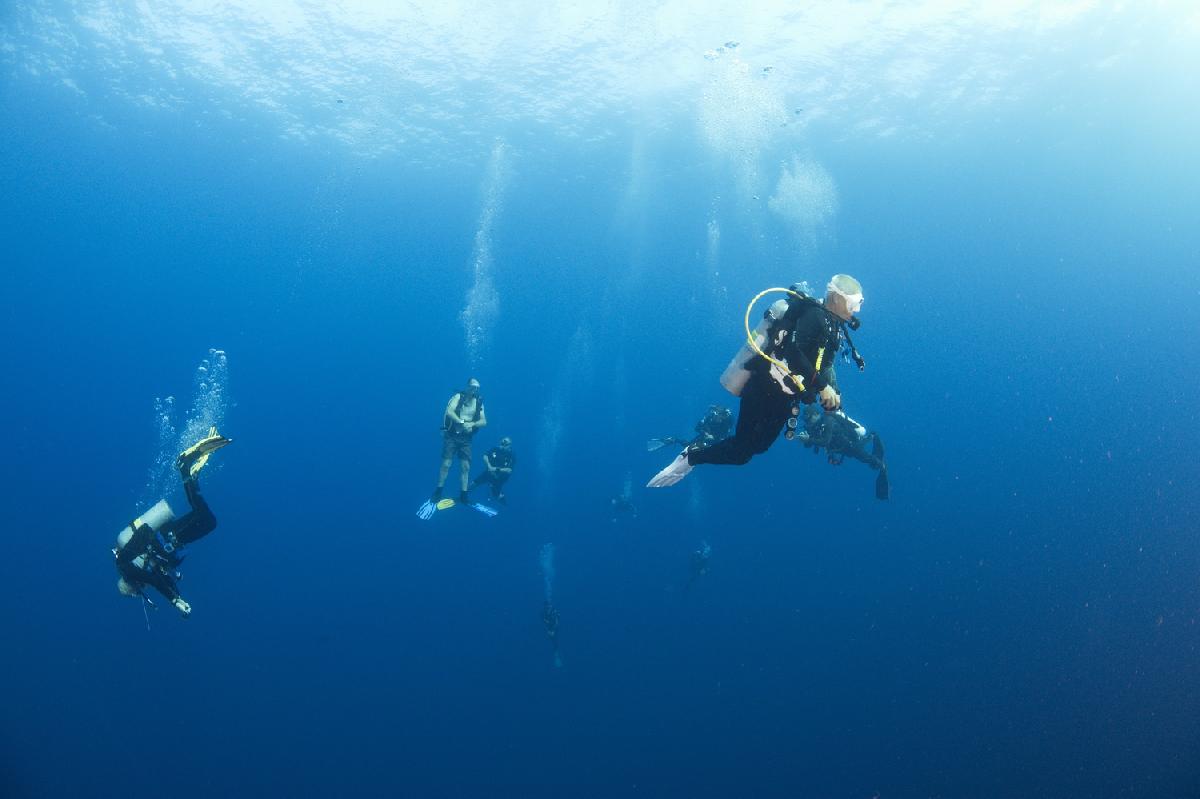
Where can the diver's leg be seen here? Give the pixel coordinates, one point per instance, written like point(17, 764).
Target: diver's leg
point(447, 457)
point(498, 486)
point(859, 453)
point(733, 451)
point(883, 488)
point(760, 420)
point(736, 449)
point(194, 525)
point(463, 450)
point(874, 458)
point(877, 446)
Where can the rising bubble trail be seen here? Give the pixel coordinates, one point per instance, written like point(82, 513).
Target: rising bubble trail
point(547, 560)
point(483, 300)
point(209, 399)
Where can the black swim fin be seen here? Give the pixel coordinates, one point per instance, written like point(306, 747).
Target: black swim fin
point(883, 488)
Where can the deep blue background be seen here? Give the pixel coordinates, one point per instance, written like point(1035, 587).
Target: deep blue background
point(1021, 619)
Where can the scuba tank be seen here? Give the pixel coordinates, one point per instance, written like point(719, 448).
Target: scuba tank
point(736, 375)
point(154, 518)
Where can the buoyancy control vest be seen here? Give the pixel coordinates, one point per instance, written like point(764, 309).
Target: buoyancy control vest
point(784, 315)
point(453, 428)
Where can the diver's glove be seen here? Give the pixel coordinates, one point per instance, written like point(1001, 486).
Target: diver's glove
point(182, 606)
point(671, 475)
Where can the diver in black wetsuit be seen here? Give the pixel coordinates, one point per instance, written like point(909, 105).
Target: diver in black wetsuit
point(147, 553)
point(841, 437)
point(550, 622)
point(621, 506)
point(700, 559)
point(716, 424)
point(499, 462)
point(802, 344)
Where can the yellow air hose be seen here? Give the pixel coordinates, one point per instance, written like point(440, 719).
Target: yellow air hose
point(797, 379)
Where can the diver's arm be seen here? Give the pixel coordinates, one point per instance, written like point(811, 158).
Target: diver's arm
point(126, 556)
point(161, 582)
point(138, 545)
point(450, 414)
point(830, 396)
point(798, 360)
point(481, 420)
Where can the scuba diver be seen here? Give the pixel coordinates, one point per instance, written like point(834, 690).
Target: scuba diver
point(622, 506)
point(463, 417)
point(550, 622)
point(842, 437)
point(700, 559)
point(147, 550)
point(716, 425)
point(787, 361)
point(499, 462)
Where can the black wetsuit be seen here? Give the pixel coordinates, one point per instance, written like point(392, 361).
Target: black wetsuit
point(813, 336)
point(700, 560)
point(158, 569)
point(499, 458)
point(839, 436)
point(712, 428)
point(194, 525)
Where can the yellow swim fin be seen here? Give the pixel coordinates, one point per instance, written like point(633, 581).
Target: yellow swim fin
point(193, 459)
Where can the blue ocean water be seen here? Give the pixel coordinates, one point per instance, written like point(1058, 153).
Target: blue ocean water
point(341, 213)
